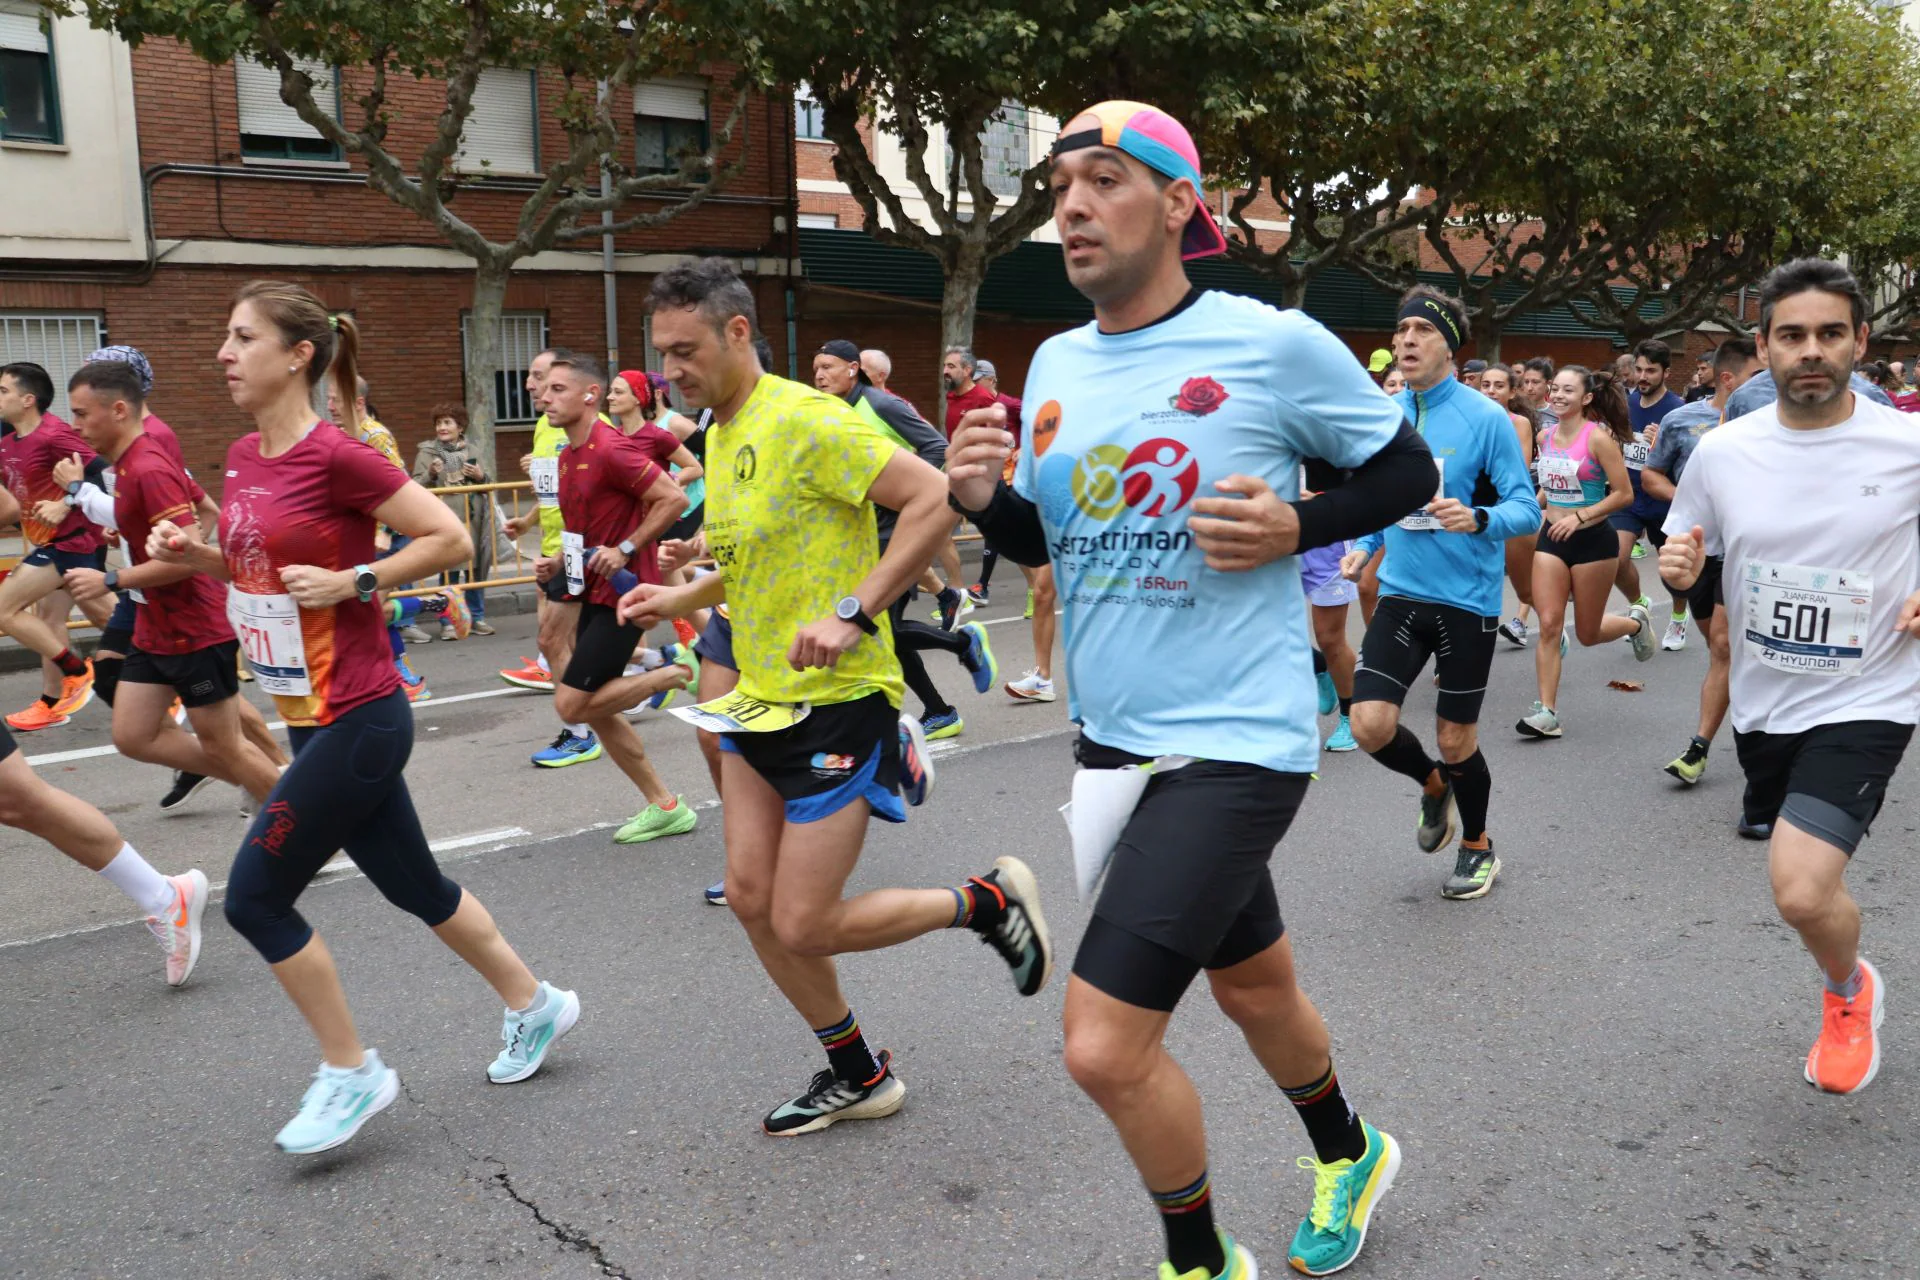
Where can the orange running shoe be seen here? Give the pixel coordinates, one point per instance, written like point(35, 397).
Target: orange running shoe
point(529, 676)
point(1846, 1057)
point(75, 692)
point(684, 630)
point(37, 716)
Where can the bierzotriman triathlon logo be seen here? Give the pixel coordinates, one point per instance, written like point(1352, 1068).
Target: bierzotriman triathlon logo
point(1157, 478)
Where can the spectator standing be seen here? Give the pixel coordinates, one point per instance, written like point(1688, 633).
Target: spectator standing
point(447, 460)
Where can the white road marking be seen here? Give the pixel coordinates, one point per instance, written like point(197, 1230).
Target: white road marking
point(91, 753)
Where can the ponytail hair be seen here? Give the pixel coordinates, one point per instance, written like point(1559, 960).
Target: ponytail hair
point(1609, 407)
point(301, 317)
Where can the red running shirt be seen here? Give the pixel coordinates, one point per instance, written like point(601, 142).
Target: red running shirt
point(26, 465)
point(181, 617)
point(311, 505)
point(162, 434)
point(601, 483)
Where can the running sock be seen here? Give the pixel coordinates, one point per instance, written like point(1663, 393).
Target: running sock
point(1705, 744)
point(847, 1051)
point(134, 876)
point(577, 730)
point(395, 643)
point(543, 664)
point(1331, 1121)
point(70, 663)
point(988, 559)
point(1319, 662)
point(106, 677)
point(1346, 707)
point(1845, 990)
point(1405, 755)
point(1472, 789)
point(1192, 1241)
point(977, 905)
point(534, 1005)
point(51, 700)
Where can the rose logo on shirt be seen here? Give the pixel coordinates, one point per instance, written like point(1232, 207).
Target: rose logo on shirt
point(1199, 397)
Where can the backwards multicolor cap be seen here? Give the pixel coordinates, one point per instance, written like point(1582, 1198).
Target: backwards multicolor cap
point(127, 355)
point(1161, 143)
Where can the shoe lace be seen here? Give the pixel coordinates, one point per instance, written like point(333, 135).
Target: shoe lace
point(1012, 936)
point(323, 1095)
point(512, 1028)
point(828, 1092)
point(1846, 1021)
point(561, 739)
point(162, 932)
point(1332, 1194)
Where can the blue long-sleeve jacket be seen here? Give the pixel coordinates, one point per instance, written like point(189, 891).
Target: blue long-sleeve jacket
point(1481, 465)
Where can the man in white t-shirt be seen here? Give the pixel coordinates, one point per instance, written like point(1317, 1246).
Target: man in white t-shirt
point(1811, 502)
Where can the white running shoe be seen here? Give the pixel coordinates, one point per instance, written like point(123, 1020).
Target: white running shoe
point(179, 930)
point(1030, 688)
point(1676, 638)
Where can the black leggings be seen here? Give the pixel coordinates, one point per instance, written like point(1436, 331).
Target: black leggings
point(344, 790)
point(909, 639)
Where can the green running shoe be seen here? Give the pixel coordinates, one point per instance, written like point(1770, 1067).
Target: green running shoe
point(1240, 1264)
point(1435, 828)
point(653, 822)
point(1473, 873)
point(1691, 764)
point(1345, 1194)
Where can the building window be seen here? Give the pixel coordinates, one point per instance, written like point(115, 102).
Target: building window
point(820, 221)
point(59, 344)
point(809, 121)
point(272, 130)
point(669, 123)
point(523, 335)
point(501, 136)
point(1004, 146)
point(29, 96)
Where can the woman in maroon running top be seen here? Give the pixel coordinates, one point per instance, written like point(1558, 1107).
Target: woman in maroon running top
point(297, 523)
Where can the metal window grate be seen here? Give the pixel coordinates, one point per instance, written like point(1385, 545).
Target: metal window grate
point(523, 335)
point(57, 343)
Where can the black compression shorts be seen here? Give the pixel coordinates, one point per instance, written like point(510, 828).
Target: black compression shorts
point(1590, 545)
point(1188, 887)
point(1404, 633)
point(602, 648)
point(1829, 781)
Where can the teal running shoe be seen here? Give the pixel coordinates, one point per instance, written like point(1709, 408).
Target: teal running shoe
point(653, 822)
point(1341, 739)
point(1345, 1194)
point(978, 659)
point(1329, 696)
point(530, 1035)
point(1240, 1264)
point(337, 1103)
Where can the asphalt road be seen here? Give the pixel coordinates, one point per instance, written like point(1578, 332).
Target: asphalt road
point(1593, 1072)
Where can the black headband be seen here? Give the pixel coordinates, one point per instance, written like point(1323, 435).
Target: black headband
point(1438, 316)
point(1075, 141)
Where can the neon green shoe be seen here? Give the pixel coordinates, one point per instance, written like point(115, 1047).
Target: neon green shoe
point(653, 822)
point(1240, 1264)
point(1345, 1194)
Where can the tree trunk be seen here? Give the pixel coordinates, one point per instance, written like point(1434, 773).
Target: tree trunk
point(483, 357)
point(1489, 344)
point(1293, 290)
point(959, 299)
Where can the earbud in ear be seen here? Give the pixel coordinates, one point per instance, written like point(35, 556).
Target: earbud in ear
point(589, 397)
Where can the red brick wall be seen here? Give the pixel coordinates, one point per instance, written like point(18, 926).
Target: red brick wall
point(188, 114)
point(409, 322)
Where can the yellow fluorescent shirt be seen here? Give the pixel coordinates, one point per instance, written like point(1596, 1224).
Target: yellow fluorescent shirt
point(789, 524)
point(548, 441)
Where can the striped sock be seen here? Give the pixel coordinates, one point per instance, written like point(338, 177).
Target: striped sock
point(1187, 1215)
point(847, 1051)
point(978, 905)
point(1330, 1119)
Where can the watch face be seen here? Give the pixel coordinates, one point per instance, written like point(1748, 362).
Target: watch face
point(848, 608)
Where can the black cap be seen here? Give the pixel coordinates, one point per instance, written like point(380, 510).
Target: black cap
point(1476, 366)
point(841, 349)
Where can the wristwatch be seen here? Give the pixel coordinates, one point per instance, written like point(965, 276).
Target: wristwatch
point(73, 488)
point(365, 582)
point(626, 549)
point(113, 579)
point(1479, 519)
point(849, 610)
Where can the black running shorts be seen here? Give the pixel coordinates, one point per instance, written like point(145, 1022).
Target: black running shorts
point(1590, 545)
point(1189, 886)
point(201, 678)
point(602, 648)
point(1706, 592)
point(7, 745)
point(840, 753)
point(1829, 781)
point(1404, 633)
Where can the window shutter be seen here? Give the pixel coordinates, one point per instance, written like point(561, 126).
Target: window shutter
point(671, 99)
point(22, 31)
point(262, 112)
point(499, 136)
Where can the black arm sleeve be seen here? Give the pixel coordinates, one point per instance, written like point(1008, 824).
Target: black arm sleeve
point(1010, 525)
point(1395, 481)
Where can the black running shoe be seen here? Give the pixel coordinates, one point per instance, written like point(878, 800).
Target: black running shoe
point(185, 787)
point(1754, 830)
point(1016, 929)
point(829, 1100)
point(1436, 821)
point(1473, 873)
point(948, 602)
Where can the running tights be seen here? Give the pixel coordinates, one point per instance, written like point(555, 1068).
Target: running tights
point(344, 790)
point(988, 558)
point(910, 639)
